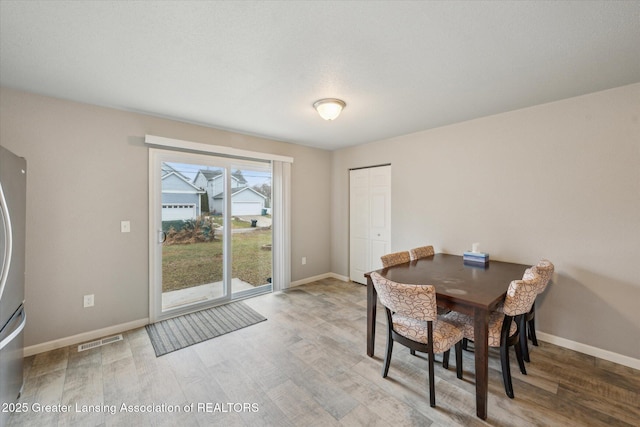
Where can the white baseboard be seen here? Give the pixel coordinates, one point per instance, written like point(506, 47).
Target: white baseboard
point(591, 351)
point(318, 277)
point(340, 277)
point(83, 337)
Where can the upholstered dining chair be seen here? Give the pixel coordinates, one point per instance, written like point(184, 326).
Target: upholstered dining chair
point(395, 258)
point(504, 326)
point(412, 321)
point(544, 269)
point(421, 252)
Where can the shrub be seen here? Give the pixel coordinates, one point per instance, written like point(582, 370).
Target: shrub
point(179, 232)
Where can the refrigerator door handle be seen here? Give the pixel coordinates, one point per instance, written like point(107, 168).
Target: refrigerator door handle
point(15, 333)
point(8, 237)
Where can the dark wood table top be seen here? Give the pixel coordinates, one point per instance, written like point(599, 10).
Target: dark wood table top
point(457, 283)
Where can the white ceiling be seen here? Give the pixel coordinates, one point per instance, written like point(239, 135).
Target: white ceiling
point(257, 67)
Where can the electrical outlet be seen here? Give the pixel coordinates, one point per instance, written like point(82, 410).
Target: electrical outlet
point(88, 301)
point(125, 226)
point(304, 260)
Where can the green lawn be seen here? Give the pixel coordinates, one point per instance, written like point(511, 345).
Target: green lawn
point(235, 222)
point(188, 265)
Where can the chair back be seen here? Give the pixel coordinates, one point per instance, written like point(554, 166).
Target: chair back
point(415, 301)
point(395, 258)
point(421, 252)
point(521, 294)
point(544, 268)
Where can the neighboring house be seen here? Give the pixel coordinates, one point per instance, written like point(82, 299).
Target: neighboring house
point(244, 200)
point(211, 182)
point(180, 198)
point(167, 168)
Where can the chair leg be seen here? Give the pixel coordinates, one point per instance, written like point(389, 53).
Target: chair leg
point(506, 370)
point(445, 359)
point(387, 357)
point(524, 345)
point(432, 387)
point(465, 344)
point(459, 360)
point(412, 351)
point(520, 359)
point(532, 331)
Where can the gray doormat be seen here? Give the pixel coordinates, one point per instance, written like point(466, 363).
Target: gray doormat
point(180, 332)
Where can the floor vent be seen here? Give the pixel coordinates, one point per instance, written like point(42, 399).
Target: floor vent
point(99, 343)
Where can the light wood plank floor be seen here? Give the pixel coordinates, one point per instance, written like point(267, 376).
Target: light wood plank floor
point(307, 366)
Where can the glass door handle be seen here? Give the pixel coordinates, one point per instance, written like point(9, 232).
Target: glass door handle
point(163, 236)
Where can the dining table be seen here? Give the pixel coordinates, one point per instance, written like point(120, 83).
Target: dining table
point(469, 289)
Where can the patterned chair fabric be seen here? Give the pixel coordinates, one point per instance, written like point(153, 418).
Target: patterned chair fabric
point(418, 302)
point(544, 268)
point(465, 321)
point(530, 274)
point(395, 258)
point(412, 320)
point(412, 306)
point(521, 295)
point(421, 252)
point(445, 335)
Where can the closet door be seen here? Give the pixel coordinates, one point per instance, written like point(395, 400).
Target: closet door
point(369, 219)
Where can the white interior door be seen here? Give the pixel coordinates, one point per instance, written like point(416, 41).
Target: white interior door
point(380, 214)
point(369, 219)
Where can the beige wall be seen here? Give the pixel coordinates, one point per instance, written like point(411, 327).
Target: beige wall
point(88, 170)
point(559, 180)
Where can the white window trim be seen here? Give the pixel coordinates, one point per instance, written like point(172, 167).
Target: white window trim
point(178, 144)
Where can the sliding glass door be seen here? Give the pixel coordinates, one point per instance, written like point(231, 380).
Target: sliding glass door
point(211, 231)
point(251, 230)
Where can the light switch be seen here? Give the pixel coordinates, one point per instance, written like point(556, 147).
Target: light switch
point(125, 226)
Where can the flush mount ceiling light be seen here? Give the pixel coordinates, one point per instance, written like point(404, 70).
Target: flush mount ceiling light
point(329, 108)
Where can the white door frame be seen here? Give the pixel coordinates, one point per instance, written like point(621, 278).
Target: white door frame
point(281, 205)
point(156, 157)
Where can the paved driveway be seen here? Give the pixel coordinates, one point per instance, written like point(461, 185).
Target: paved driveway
point(263, 221)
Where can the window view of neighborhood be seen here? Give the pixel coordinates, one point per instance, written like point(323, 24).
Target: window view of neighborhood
point(193, 217)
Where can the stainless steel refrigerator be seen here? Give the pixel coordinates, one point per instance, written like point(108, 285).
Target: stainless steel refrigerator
point(13, 180)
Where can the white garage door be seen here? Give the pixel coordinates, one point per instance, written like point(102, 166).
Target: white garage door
point(246, 208)
point(178, 212)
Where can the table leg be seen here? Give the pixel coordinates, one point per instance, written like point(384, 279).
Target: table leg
point(372, 300)
point(481, 351)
